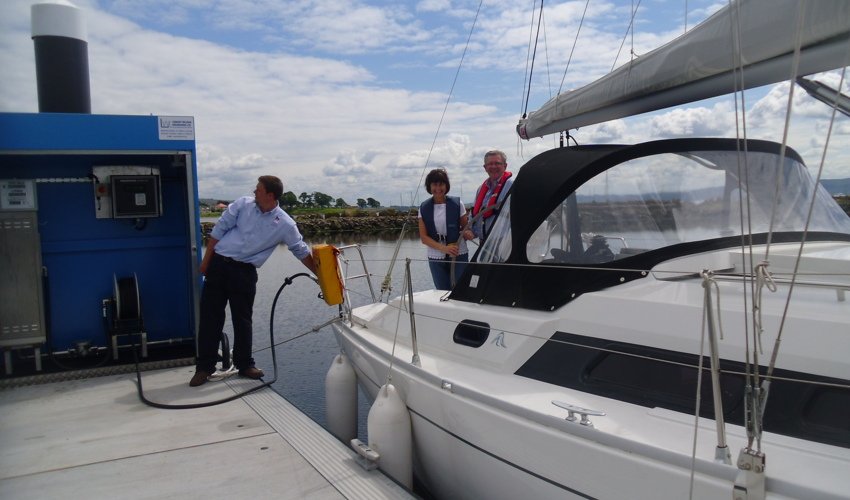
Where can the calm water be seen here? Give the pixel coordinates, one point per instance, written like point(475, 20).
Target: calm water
point(303, 362)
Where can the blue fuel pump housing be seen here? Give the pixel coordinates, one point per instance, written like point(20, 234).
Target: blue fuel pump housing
point(114, 196)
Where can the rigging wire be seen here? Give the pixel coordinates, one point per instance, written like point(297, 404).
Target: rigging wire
point(629, 29)
point(386, 283)
point(750, 356)
point(762, 403)
point(548, 72)
point(698, 401)
point(546, 53)
point(575, 42)
point(775, 352)
point(541, 26)
point(795, 65)
point(526, 82)
point(533, 57)
point(449, 97)
point(403, 299)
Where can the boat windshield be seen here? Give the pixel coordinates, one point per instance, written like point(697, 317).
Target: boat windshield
point(670, 198)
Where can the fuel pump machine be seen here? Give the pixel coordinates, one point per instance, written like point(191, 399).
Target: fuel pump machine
point(88, 202)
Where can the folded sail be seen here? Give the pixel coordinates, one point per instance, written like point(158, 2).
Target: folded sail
point(703, 62)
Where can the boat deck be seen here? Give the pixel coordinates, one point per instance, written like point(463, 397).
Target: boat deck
point(94, 438)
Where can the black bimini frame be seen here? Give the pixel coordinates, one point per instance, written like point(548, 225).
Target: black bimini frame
point(546, 181)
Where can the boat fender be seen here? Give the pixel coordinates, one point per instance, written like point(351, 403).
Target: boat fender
point(327, 269)
point(341, 399)
point(390, 435)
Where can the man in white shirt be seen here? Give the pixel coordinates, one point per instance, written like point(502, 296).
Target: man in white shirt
point(241, 241)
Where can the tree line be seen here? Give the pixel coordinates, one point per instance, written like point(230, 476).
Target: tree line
point(321, 200)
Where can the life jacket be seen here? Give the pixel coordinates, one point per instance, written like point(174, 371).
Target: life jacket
point(489, 207)
point(426, 210)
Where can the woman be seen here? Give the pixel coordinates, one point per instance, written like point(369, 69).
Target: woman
point(441, 221)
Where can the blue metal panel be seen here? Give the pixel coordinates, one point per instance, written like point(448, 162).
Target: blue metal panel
point(70, 131)
point(80, 252)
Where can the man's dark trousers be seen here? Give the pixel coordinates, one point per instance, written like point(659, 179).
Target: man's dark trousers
point(227, 280)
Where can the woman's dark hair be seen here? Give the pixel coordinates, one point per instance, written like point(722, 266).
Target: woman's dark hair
point(437, 175)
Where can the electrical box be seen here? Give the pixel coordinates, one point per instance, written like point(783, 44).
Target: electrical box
point(135, 196)
point(127, 192)
point(21, 304)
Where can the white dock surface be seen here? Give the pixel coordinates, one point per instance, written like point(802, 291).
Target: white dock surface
point(94, 439)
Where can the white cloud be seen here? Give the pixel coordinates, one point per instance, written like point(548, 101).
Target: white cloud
point(693, 122)
point(346, 98)
point(433, 5)
point(351, 163)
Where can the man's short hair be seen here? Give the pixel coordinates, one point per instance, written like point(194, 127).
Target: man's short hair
point(496, 152)
point(437, 175)
point(272, 185)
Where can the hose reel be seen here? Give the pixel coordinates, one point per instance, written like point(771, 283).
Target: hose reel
point(127, 305)
point(127, 312)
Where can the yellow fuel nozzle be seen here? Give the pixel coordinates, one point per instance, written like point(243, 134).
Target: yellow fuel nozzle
point(330, 279)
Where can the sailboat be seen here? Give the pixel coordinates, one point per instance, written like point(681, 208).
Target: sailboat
point(661, 320)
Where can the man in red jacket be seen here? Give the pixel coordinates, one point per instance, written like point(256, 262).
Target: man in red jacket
point(489, 197)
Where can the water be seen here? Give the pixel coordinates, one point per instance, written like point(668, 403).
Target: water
point(303, 362)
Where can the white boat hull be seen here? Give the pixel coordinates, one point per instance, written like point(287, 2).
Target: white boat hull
point(480, 431)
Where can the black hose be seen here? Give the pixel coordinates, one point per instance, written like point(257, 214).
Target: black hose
point(286, 282)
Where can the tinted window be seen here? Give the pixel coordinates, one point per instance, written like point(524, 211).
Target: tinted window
point(798, 405)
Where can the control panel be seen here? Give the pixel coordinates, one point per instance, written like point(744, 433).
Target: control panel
point(127, 192)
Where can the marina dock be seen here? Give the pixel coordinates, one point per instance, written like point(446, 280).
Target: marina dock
point(93, 438)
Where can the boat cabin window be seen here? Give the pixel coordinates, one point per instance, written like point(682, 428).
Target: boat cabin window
point(800, 404)
point(660, 200)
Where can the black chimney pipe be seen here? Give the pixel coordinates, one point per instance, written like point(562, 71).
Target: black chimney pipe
point(61, 58)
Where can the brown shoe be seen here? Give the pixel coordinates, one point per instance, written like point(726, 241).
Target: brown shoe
point(251, 372)
point(199, 378)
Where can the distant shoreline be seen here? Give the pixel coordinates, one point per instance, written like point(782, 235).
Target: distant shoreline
point(316, 225)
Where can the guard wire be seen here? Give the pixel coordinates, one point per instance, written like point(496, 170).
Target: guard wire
point(286, 282)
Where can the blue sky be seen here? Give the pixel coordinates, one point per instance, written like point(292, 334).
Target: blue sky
point(346, 97)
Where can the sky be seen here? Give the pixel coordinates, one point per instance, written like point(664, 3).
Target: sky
point(361, 98)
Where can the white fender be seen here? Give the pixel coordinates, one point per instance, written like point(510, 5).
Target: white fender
point(390, 435)
point(341, 399)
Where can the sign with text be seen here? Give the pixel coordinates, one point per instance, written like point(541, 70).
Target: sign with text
point(176, 128)
point(17, 194)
